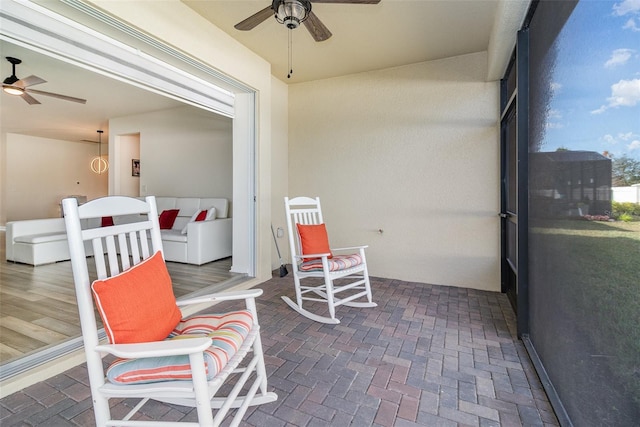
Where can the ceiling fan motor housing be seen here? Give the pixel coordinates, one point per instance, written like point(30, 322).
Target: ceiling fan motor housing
point(12, 78)
point(291, 12)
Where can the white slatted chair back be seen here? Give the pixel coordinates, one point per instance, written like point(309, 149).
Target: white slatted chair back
point(350, 268)
point(116, 248)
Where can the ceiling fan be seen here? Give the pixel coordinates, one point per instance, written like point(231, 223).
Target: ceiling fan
point(293, 12)
point(21, 87)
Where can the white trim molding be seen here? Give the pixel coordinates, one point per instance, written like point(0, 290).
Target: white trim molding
point(30, 25)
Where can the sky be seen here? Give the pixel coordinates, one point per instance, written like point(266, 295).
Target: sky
point(596, 81)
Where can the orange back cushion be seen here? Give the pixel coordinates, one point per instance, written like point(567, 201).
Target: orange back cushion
point(313, 239)
point(138, 304)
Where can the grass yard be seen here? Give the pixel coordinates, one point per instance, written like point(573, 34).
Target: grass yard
point(591, 271)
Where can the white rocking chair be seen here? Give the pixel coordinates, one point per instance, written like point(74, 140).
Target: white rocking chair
point(345, 277)
point(132, 282)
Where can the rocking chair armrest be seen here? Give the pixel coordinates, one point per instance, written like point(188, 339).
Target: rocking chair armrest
point(222, 296)
point(350, 248)
point(323, 255)
point(157, 348)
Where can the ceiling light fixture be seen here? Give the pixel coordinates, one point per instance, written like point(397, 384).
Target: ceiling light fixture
point(13, 90)
point(291, 13)
point(8, 85)
point(98, 164)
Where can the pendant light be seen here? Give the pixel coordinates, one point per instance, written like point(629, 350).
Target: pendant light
point(98, 164)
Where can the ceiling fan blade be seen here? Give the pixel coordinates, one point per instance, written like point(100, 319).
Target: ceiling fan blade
point(255, 19)
point(347, 1)
point(57, 95)
point(318, 30)
point(30, 99)
point(29, 81)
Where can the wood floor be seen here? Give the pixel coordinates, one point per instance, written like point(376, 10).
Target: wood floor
point(38, 307)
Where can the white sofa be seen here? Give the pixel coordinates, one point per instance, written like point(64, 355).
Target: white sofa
point(37, 241)
point(44, 241)
point(204, 241)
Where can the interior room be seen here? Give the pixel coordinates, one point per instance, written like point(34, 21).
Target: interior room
point(49, 150)
point(414, 123)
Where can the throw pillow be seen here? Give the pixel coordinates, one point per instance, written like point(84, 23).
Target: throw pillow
point(107, 221)
point(211, 214)
point(138, 305)
point(167, 218)
point(201, 216)
point(314, 239)
point(198, 216)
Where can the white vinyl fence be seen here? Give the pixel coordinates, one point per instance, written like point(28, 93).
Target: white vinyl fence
point(626, 194)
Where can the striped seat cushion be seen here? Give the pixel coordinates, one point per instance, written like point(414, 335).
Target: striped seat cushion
point(227, 332)
point(338, 262)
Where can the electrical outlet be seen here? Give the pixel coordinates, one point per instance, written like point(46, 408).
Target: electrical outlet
point(280, 232)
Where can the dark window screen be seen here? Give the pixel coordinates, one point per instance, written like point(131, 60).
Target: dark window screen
point(584, 281)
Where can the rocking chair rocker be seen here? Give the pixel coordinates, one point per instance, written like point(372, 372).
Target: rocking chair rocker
point(345, 277)
point(160, 355)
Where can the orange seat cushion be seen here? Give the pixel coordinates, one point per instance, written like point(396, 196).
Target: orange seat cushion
point(138, 305)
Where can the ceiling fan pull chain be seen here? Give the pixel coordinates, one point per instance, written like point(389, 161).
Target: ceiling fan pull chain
point(290, 53)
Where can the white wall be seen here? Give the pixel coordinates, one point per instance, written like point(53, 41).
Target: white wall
point(39, 172)
point(183, 152)
point(279, 166)
point(413, 151)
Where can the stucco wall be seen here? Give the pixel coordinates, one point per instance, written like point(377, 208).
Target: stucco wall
point(412, 151)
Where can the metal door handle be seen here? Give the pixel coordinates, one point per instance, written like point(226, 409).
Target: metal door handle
point(503, 215)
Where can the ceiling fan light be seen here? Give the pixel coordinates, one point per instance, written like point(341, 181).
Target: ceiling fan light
point(291, 13)
point(13, 90)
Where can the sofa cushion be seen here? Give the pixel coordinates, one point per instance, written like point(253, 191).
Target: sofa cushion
point(138, 305)
point(221, 205)
point(173, 236)
point(188, 206)
point(41, 238)
point(164, 203)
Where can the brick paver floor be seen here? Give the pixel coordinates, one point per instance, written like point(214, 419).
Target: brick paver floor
point(426, 356)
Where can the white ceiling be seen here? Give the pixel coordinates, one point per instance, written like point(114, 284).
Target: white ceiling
point(365, 37)
point(59, 119)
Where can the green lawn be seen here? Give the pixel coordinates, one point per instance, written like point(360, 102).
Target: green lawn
point(592, 269)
